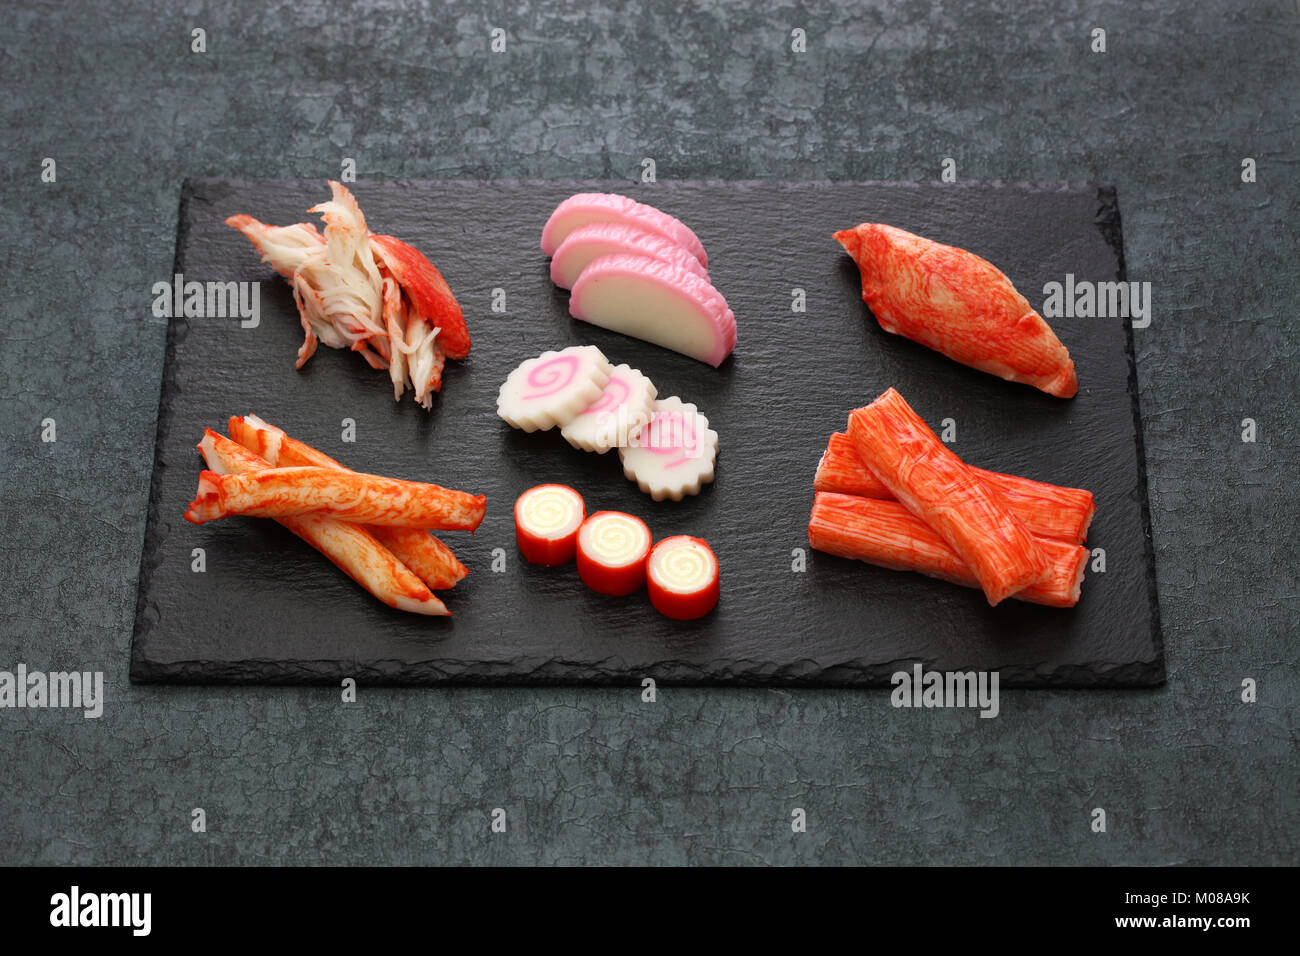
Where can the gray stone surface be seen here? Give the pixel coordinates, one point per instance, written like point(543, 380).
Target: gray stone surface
point(1187, 773)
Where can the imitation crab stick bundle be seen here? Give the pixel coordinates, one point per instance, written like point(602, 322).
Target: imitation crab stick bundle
point(612, 550)
point(885, 533)
point(354, 550)
point(346, 495)
point(959, 304)
point(1049, 511)
point(937, 487)
point(420, 551)
point(547, 519)
point(682, 578)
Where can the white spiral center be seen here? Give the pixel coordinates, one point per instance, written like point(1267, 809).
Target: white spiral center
point(550, 512)
point(679, 564)
point(615, 539)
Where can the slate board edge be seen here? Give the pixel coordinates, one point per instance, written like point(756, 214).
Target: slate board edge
point(176, 328)
point(1128, 675)
point(1110, 222)
point(550, 672)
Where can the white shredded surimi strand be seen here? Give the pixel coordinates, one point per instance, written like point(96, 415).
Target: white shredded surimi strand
point(394, 324)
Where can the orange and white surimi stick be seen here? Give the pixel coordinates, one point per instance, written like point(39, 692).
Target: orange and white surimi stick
point(356, 553)
point(885, 533)
point(936, 486)
point(346, 495)
point(420, 551)
point(1049, 511)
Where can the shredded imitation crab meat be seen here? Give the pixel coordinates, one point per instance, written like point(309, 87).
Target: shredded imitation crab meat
point(373, 294)
point(352, 548)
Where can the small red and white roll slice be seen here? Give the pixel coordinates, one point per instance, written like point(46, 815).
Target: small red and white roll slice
point(682, 578)
point(612, 550)
point(547, 519)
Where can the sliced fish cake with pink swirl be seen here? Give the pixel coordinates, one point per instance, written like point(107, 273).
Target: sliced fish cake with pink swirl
point(553, 388)
point(585, 208)
point(622, 410)
point(587, 243)
point(658, 302)
point(674, 455)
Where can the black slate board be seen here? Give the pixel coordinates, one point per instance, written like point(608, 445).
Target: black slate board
point(270, 610)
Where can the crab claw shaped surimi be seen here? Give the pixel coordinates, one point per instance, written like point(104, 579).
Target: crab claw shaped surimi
point(956, 303)
point(588, 243)
point(658, 302)
point(428, 291)
point(584, 208)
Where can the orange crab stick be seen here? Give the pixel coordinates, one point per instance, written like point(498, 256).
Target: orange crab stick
point(346, 495)
point(682, 578)
point(547, 519)
point(887, 534)
point(959, 304)
point(1049, 511)
point(420, 551)
point(612, 549)
point(934, 484)
point(356, 553)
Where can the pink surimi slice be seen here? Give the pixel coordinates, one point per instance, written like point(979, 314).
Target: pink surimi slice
point(585, 208)
point(658, 302)
point(588, 243)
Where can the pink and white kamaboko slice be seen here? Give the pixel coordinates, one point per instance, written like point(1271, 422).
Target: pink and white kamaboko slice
point(585, 208)
point(553, 388)
point(658, 302)
point(622, 410)
point(588, 243)
point(674, 455)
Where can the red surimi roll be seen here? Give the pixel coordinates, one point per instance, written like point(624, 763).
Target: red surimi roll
point(612, 549)
point(547, 519)
point(682, 578)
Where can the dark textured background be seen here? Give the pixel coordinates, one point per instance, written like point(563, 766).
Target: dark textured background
point(1187, 773)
